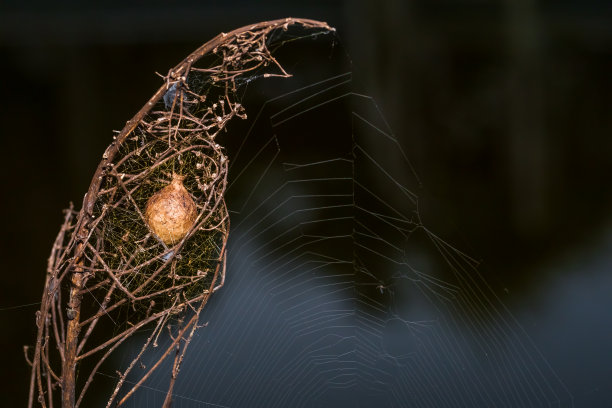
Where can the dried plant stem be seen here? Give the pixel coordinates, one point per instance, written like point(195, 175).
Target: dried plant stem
point(72, 337)
point(108, 252)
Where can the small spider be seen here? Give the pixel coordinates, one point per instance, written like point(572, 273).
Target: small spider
point(381, 288)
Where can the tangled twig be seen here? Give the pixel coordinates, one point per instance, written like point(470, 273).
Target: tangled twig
point(108, 263)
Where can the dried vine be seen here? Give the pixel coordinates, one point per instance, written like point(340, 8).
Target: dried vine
point(108, 264)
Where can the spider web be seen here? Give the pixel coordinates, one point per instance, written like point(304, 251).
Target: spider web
point(338, 291)
point(149, 244)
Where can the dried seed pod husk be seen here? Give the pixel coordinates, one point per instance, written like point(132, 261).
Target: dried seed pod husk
point(171, 212)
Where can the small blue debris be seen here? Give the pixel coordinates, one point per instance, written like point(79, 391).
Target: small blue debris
point(170, 95)
point(167, 256)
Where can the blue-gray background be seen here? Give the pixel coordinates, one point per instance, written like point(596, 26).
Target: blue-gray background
point(503, 105)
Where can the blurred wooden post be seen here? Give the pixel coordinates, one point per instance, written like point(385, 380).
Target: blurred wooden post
point(528, 157)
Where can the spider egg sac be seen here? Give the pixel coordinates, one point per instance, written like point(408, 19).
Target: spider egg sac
point(171, 212)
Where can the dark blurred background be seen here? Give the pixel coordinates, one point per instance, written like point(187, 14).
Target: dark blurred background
point(503, 107)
